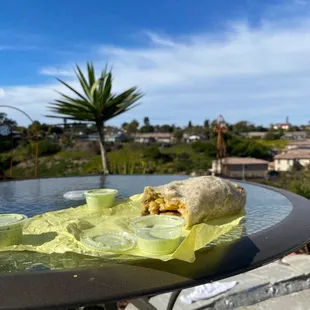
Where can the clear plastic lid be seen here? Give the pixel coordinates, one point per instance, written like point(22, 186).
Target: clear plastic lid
point(157, 222)
point(11, 220)
point(75, 195)
point(110, 241)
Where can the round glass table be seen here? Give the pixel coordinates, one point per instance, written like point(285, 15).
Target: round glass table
point(276, 224)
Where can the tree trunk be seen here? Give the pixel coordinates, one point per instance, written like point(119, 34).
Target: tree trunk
point(104, 156)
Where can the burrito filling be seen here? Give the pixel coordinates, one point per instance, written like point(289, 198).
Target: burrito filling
point(154, 204)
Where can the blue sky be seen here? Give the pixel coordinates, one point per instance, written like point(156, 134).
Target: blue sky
point(245, 59)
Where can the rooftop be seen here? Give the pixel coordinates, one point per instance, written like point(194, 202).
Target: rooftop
point(295, 133)
point(294, 154)
point(282, 124)
point(303, 142)
point(254, 133)
point(154, 135)
point(243, 161)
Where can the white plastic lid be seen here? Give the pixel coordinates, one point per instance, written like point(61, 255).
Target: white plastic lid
point(110, 242)
point(75, 195)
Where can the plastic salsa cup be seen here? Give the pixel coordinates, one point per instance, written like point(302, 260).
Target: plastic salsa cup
point(158, 234)
point(11, 229)
point(100, 198)
point(109, 241)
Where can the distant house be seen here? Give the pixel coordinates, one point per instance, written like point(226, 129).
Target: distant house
point(108, 138)
point(239, 167)
point(283, 126)
point(193, 138)
point(112, 131)
point(76, 129)
point(254, 134)
point(295, 135)
point(304, 144)
point(271, 166)
point(160, 137)
point(16, 135)
point(293, 158)
point(116, 138)
point(93, 137)
point(189, 138)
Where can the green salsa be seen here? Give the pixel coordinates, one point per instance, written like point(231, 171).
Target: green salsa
point(157, 241)
point(100, 198)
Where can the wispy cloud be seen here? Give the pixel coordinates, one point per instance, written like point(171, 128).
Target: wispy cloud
point(159, 39)
point(55, 71)
point(260, 74)
point(241, 75)
point(16, 41)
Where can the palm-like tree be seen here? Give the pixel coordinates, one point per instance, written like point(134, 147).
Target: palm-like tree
point(96, 103)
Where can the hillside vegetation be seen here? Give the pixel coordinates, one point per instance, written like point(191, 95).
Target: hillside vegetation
point(126, 158)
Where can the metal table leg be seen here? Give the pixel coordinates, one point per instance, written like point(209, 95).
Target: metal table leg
point(111, 306)
point(143, 304)
point(173, 298)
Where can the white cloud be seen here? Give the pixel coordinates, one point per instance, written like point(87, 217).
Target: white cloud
point(260, 74)
point(159, 40)
point(56, 71)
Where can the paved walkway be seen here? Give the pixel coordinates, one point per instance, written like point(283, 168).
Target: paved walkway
point(284, 284)
point(294, 301)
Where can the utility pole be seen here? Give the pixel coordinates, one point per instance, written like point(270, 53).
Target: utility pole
point(220, 128)
point(243, 172)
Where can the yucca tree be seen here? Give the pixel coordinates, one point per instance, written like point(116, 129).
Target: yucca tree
point(96, 103)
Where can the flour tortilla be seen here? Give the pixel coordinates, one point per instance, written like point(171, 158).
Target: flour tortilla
point(196, 199)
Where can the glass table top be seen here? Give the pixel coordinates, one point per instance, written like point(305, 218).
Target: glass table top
point(264, 209)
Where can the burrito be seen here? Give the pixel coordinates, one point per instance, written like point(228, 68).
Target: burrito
point(196, 199)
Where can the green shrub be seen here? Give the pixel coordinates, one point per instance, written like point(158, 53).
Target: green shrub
point(209, 149)
point(182, 156)
point(165, 158)
point(198, 146)
point(247, 148)
point(45, 148)
point(5, 145)
point(272, 136)
point(301, 188)
point(5, 161)
point(151, 152)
